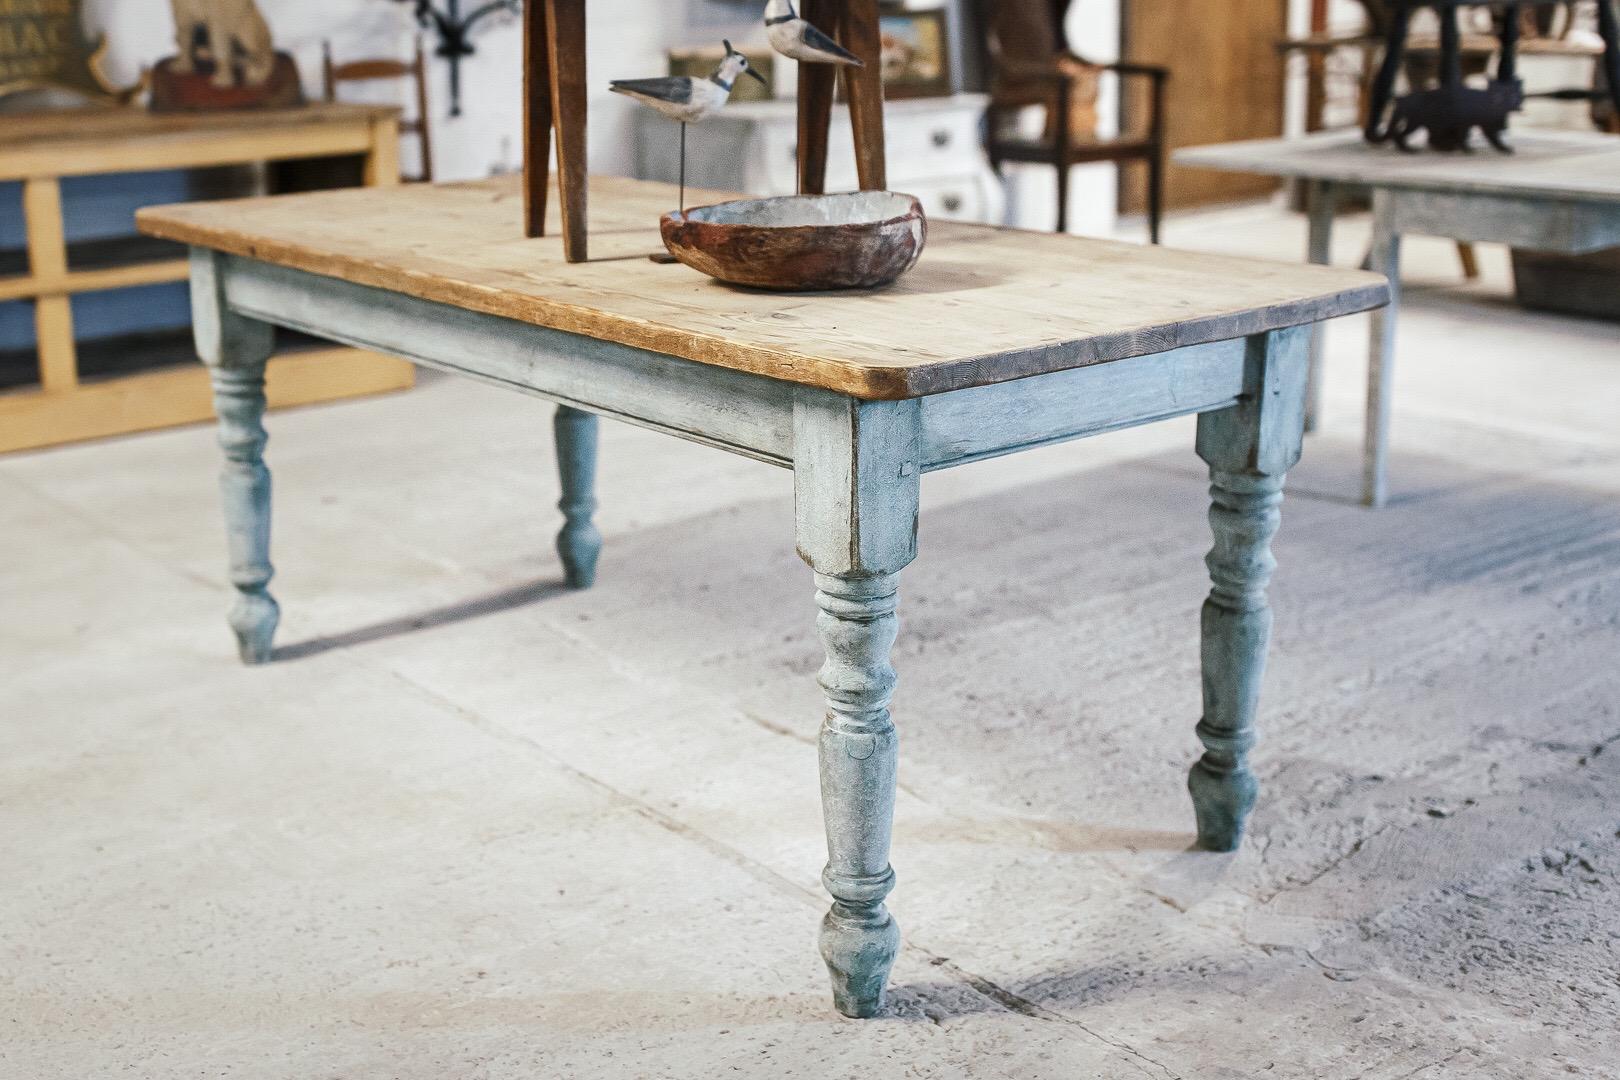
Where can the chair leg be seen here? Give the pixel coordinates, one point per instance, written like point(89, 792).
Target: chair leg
point(1155, 194)
point(566, 38)
point(1063, 197)
point(1469, 259)
point(536, 118)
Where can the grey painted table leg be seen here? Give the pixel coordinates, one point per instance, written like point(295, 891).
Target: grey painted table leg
point(1250, 449)
point(236, 350)
point(1384, 259)
point(579, 543)
point(856, 471)
point(1323, 200)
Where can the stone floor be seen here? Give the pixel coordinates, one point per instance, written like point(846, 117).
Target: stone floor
point(473, 826)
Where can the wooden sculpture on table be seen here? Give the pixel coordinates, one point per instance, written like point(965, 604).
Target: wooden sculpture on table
point(1451, 111)
point(687, 98)
point(852, 25)
point(226, 60)
point(554, 99)
point(554, 102)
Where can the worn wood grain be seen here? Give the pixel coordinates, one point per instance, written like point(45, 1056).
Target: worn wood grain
point(983, 306)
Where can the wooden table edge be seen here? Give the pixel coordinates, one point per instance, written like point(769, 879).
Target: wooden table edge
point(867, 381)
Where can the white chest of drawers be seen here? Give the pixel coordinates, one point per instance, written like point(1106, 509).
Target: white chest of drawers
point(933, 153)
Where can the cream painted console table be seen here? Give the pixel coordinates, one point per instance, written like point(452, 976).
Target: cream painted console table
point(997, 342)
point(1559, 192)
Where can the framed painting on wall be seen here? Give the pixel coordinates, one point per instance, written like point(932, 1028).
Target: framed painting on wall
point(916, 54)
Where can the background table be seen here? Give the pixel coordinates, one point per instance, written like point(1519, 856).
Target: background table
point(1559, 192)
point(42, 149)
point(997, 342)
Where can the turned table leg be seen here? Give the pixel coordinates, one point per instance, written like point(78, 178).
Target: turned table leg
point(856, 469)
point(236, 350)
point(579, 543)
point(1249, 448)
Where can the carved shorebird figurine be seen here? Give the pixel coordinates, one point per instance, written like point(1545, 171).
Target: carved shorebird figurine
point(794, 37)
point(688, 98)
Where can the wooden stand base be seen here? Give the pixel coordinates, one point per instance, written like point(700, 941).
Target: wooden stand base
point(183, 395)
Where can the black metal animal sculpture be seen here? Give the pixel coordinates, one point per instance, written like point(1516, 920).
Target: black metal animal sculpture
point(1452, 110)
point(1451, 113)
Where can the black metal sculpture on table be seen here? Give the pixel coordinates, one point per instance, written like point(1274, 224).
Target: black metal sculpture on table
point(1451, 111)
point(455, 34)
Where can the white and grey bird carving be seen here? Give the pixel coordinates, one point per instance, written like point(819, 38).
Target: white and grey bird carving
point(795, 38)
point(688, 98)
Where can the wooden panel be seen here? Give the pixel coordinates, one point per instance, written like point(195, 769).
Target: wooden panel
point(184, 395)
point(983, 306)
point(1226, 83)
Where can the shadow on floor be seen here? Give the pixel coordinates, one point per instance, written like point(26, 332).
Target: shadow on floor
point(506, 600)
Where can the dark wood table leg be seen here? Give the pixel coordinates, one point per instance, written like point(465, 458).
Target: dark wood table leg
point(863, 86)
point(565, 29)
point(536, 118)
point(817, 83)
point(1609, 24)
point(1384, 85)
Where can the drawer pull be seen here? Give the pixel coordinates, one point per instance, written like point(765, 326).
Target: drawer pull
point(953, 203)
point(942, 138)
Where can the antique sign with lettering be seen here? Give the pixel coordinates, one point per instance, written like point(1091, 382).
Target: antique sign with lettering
point(43, 46)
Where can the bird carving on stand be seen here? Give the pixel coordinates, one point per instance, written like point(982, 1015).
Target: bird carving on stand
point(688, 98)
point(795, 38)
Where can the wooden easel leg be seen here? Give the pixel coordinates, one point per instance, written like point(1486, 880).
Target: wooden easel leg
point(565, 29)
point(536, 118)
point(817, 83)
point(860, 33)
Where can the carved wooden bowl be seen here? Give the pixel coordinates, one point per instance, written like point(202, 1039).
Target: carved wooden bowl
point(801, 243)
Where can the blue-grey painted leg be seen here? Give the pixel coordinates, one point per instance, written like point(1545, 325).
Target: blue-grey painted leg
point(236, 349)
point(1249, 449)
point(579, 543)
point(856, 468)
point(245, 486)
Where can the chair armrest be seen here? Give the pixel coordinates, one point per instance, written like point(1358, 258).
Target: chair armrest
point(1151, 71)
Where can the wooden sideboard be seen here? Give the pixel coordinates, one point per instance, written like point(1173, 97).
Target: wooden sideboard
point(39, 150)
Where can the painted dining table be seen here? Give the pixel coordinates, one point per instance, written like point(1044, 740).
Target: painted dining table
point(998, 341)
point(1559, 191)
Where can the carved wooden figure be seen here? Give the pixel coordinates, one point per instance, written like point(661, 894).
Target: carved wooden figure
point(230, 29)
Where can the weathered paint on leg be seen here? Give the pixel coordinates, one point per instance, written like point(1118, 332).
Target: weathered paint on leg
point(1250, 449)
point(859, 754)
point(856, 472)
point(579, 543)
point(245, 488)
point(236, 349)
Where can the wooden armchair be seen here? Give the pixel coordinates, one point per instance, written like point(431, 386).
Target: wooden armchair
point(368, 70)
point(1030, 64)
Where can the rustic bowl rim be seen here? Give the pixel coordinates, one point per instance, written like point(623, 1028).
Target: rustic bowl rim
point(914, 209)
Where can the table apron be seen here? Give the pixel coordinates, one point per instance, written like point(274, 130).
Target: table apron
point(732, 410)
point(1004, 418)
point(1569, 227)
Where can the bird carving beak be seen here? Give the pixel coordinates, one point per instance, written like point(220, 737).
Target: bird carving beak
point(757, 75)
